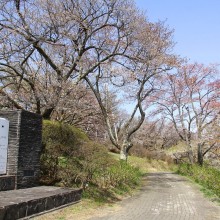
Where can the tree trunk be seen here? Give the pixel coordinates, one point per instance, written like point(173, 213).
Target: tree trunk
point(124, 150)
point(200, 154)
point(189, 146)
point(47, 113)
point(190, 153)
point(123, 154)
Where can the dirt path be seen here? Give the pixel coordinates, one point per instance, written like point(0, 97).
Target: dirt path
point(165, 196)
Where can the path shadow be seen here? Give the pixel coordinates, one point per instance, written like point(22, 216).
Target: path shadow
point(160, 180)
point(162, 176)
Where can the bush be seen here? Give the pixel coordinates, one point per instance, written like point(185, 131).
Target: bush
point(59, 141)
point(95, 167)
point(82, 168)
point(207, 176)
point(70, 159)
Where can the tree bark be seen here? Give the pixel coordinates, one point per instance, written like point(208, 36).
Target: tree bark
point(124, 150)
point(123, 154)
point(191, 159)
point(200, 154)
point(47, 113)
point(190, 151)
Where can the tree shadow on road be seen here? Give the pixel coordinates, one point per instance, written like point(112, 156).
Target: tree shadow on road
point(163, 177)
point(160, 180)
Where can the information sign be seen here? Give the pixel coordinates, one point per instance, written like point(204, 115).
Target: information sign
point(4, 129)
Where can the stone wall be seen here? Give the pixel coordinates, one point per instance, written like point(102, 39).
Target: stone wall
point(24, 147)
point(7, 183)
point(29, 149)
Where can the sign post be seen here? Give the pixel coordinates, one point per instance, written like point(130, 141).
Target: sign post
point(4, 129)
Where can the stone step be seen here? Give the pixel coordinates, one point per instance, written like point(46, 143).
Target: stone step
point(17, 204)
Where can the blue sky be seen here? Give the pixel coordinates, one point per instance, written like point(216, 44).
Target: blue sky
point(196, 24)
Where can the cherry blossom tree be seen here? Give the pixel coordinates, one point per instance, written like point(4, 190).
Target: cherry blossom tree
point(49, 47)
point(191, 101)
point(45, 46)
point(149, 58)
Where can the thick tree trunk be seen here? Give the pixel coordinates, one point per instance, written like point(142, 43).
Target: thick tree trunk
point(124, 150)
point(190, 153)
point(123, 154)
point(47, 113)
point(200, 154)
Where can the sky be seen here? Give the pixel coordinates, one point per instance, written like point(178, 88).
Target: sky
point(196, 25)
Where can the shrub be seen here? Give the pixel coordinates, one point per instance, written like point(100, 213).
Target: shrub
point(94, 166)
point(69, 158)
point(59, 140)
point(82, 168)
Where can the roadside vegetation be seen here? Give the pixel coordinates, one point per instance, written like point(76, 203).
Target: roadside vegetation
point(70, 159)
point(206, 176)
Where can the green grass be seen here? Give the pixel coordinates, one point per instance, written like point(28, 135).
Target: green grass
point(206, 176)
